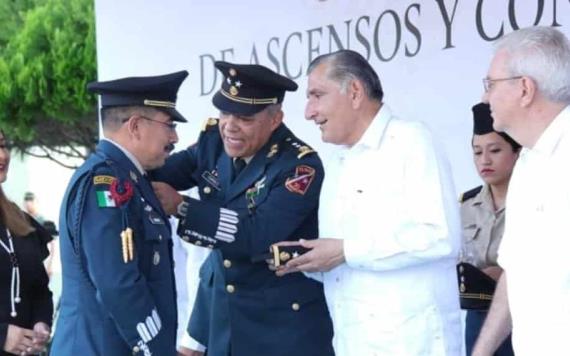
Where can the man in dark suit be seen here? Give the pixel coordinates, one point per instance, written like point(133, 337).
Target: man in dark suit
point(258, 184)
point(118, 286)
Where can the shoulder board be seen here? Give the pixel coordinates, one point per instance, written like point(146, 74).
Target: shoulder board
point(470, 194)
point(301, 148)
point(210, 122)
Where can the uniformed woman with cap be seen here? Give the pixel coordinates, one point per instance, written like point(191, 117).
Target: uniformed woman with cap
point(483, 218)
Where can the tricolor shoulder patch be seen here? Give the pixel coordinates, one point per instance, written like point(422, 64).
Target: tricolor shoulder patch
point(104, 199)
point(301, 181)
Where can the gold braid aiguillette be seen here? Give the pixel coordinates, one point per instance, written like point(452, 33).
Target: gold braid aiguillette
point(130, 245)
point(124, 246)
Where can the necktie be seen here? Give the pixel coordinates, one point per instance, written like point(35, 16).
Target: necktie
point(239, 165)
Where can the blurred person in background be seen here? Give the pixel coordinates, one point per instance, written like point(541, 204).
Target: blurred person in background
point(26, 306)
point(31, 207)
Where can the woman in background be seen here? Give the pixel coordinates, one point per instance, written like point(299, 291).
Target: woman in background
point(483, 212)
point(26, 306)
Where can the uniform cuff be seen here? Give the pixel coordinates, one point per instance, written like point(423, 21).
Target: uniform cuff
point(188, 342)
point(206, 224)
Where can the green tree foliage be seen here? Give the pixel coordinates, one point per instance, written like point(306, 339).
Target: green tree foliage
point(45, 64)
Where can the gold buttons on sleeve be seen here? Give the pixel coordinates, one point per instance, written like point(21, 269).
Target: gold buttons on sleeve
point(207, 190)
point(295, 306)
point(230, 288)
point(136, 350)
point(227, 263)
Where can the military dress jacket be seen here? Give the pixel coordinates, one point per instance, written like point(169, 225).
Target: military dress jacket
point(242, 307)
point(118, 291)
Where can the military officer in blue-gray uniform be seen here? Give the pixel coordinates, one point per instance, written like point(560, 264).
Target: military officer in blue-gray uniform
point(250, 163)
point(118, 284)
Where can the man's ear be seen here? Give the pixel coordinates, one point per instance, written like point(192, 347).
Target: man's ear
point(133, 126)
point(528, 91)
point(356, 93)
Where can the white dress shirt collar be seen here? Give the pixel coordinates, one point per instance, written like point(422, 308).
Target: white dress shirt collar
point(129, 155)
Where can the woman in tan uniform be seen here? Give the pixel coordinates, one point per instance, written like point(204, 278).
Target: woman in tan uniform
point(483, 211)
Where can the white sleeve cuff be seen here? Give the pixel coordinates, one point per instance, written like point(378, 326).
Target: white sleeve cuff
point(317, 276)
point(188, 342)
point(357, 254)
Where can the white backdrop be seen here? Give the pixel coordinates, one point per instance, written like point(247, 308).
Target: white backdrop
point(430, 54)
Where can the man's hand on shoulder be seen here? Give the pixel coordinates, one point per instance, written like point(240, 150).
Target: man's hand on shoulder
point(169, 198)
point(325, 254)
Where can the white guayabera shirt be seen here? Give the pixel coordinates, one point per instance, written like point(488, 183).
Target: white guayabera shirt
point(536, 245)
point(392, 200)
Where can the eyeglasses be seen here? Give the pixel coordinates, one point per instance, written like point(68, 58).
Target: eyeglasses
point(170, 125)
point(488, 83)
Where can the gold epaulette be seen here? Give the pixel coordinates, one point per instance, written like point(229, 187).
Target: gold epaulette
point(210, 122)
point(304, 150)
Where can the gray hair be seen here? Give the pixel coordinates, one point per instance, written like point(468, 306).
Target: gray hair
point(272, 109)
point(113, 117)
point(543, 54)
point(347, 66)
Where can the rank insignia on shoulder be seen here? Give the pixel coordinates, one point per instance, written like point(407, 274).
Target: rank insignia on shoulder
point(280, 254)
point(304, 150)
point(273, 150)
point(470, 194)
point(210, 122)
point(301, 181)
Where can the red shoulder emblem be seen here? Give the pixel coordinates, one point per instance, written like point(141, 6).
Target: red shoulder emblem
point(121, 193)
point(301, 181)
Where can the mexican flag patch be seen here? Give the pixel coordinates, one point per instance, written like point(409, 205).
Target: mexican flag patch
point(104, 199)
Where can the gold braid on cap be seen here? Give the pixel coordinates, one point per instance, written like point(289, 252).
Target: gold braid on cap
point(162, 104)
point(251, 101)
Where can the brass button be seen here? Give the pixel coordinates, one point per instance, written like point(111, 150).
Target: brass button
point(136, 350)
point(198, 243)
point(210, 246)
point(230, 288)
point(295, 306)
point(227, 263)
point(185, 238)
point(207, 190)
